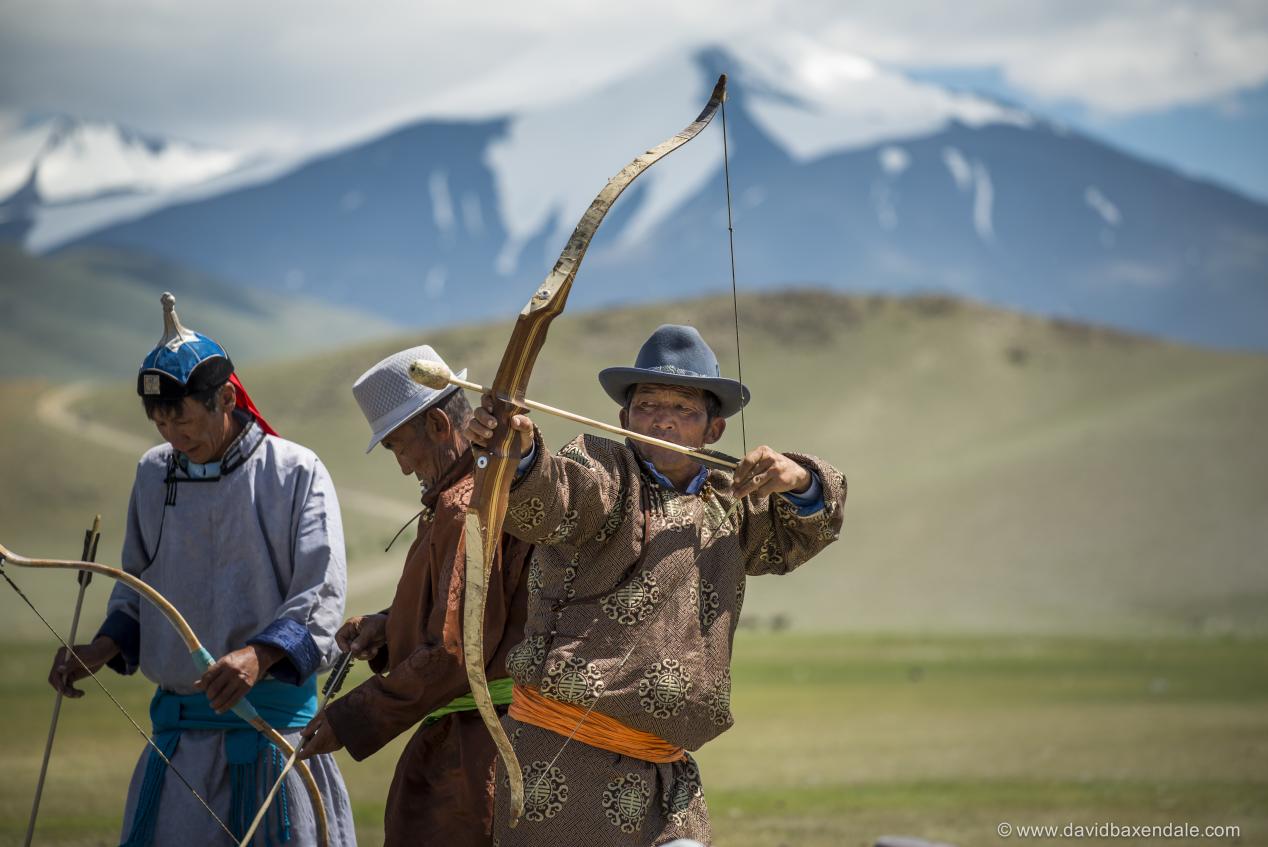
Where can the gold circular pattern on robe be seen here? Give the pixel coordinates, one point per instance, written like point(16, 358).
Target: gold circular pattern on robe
point(614, 520)
point(663, 689)
point(625, 802)
point(525, 658)
point(632, 602)
point(720, 701)
point(771, 553)
point(573, 681)
point(684, 790)
point(566, 528)
point(529, 514)
point(545, 791)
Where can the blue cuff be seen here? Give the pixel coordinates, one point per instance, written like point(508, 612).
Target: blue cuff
point(125, 631)
point(302, 656)
point(526, 461)
point(810, 501)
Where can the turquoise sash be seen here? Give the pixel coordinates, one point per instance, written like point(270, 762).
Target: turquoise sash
point(283, 706)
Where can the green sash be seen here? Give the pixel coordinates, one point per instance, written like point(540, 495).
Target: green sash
point(500, 689)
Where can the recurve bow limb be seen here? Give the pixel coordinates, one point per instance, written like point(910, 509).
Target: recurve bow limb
point(201, 656)
point(495, 466)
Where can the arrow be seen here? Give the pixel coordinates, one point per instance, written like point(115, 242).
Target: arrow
point(437, 375)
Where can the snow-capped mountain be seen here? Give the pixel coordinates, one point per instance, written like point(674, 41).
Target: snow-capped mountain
point(808, 100)
point(66, 160)
point(80, 175)
point(843, 173)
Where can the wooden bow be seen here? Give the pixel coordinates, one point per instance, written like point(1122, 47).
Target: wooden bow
point(495, 465)
point(202, 659)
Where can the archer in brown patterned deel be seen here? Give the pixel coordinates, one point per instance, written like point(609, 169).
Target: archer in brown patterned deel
point(635, 589)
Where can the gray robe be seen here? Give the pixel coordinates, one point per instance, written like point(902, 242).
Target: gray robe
point(255, 555)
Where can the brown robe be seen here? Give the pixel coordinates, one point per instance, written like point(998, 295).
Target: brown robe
point(635, 592)
point(442, 792)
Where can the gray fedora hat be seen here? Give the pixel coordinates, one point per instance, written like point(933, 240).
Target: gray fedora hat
point(676, 355)
point(388, 397)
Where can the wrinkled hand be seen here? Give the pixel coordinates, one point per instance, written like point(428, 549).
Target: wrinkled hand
point(66, 671)
point(234, 674)
point(317, 738)
point(764, 472)
point(482, 425)
point(362, 636)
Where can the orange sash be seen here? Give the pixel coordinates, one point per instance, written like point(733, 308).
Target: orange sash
point(606, 733)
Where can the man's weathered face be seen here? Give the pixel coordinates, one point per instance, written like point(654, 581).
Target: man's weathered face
point(671, 413)
point(198, 432)
point(420, 445)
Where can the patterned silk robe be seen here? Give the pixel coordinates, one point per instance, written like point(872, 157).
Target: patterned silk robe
point(635, 592)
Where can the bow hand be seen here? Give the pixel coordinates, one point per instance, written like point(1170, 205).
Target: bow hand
point(764, 472)
point(231, 676)
point(484, 424)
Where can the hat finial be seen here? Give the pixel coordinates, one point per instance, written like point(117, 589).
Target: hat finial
point(174, 335)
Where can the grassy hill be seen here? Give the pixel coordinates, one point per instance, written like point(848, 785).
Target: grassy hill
point(1008, 474)
point(93, 312)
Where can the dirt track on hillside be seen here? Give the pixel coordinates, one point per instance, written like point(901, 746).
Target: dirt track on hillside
point(56, 408)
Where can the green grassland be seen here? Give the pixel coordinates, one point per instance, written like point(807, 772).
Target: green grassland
point(1047, 604)
point(1007, 473)
point(839, 739)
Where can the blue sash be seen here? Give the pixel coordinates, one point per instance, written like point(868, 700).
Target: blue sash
point(282, 705)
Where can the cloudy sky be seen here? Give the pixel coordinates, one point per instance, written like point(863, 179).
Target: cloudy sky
point(1184, 82)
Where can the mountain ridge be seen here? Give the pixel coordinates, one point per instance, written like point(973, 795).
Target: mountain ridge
point(94, 313)
point(440, 220)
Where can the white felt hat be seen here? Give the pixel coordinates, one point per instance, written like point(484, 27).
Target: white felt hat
point(388, 397)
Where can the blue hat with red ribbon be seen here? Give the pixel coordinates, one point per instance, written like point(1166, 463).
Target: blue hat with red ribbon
point(186, 362)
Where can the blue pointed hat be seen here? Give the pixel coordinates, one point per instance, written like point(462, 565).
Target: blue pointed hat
point(676, 355)
point(184, 362)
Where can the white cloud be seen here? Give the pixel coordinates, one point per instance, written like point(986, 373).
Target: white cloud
point(814, 99)
point(1122, 56)
point(289, 74)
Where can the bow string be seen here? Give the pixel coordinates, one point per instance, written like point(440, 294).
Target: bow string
point(202, 659)
point(496, 463)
